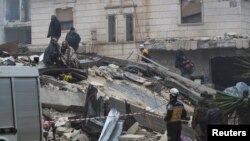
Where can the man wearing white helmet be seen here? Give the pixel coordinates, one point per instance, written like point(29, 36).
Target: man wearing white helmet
point(175, 112)
point(144, 53)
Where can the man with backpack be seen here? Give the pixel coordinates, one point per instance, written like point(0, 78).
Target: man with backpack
point(185, 66)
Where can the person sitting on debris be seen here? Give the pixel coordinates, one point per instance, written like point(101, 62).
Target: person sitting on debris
point(199, 115)
point(69, 57)
point(52, 53)
point(73, 38)
point(145, 54)
point(54, 28)
point(175, 113)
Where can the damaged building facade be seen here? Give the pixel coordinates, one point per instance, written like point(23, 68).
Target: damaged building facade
point(15, 21)
point(205, 29)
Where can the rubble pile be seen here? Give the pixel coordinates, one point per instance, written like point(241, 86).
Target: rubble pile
point(76, 103)
point(7, 60)
point(80, 110)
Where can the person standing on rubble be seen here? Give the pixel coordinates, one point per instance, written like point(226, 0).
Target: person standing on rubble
point(52, 53)
point(68, 57)
point(54, 28)
point(179, 59)
point(145, 54)
point(199, 117)
point(185, 66)
point(175, 113)
point(73, 38)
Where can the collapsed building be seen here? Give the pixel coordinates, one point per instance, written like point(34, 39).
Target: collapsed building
point(136, 94)
point(116, 28)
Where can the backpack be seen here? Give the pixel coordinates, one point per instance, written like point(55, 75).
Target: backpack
point(189, 67)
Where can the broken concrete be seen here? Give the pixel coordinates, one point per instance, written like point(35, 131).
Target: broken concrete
point(164, 137)
point(132, 138)
point(133, 129)
point(102, 91)
point(61, 100)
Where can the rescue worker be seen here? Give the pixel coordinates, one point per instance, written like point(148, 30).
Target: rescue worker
point(68, 58)
point(144, 53)
point(73, 38)
point(175, 112)
point(54, 28)
point(199, 117)
point(52, 53)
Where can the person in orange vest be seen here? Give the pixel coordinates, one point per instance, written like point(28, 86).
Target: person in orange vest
point(144, 53)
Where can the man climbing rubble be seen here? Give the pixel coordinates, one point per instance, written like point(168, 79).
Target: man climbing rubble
point(52, 53)
point(175, 113)
point(68, 56)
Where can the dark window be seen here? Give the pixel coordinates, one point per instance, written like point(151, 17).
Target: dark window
point(17, 10)
point(129, 27)
point(65, 16)
point(191, 11)
point(13, 10)
point(111, 28)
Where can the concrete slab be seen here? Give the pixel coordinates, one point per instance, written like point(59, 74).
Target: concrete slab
point(155, 123)
point(61, 100)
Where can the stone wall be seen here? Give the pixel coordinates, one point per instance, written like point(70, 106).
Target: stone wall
point(245, 16)
point(156, 19)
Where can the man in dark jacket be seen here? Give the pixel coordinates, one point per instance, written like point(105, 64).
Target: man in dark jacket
point(214, 115)
point(199, 122)
point(175, 113)
point(54, 28)
point(179, 59)
point(52, 53)
point(73, 38)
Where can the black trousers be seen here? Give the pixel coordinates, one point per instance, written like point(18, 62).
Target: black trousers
point(174, 131)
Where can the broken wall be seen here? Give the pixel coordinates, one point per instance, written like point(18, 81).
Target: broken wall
point(201, 58)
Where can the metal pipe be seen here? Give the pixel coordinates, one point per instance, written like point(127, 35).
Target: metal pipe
point(155, 63)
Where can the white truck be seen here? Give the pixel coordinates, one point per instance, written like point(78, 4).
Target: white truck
point(20, 108)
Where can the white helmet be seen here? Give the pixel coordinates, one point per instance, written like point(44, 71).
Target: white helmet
point(174, 92)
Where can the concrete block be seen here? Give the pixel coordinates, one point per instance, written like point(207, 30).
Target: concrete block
point(133, 129)
point(61, 100)
point(164, 138)
point(132, 138)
